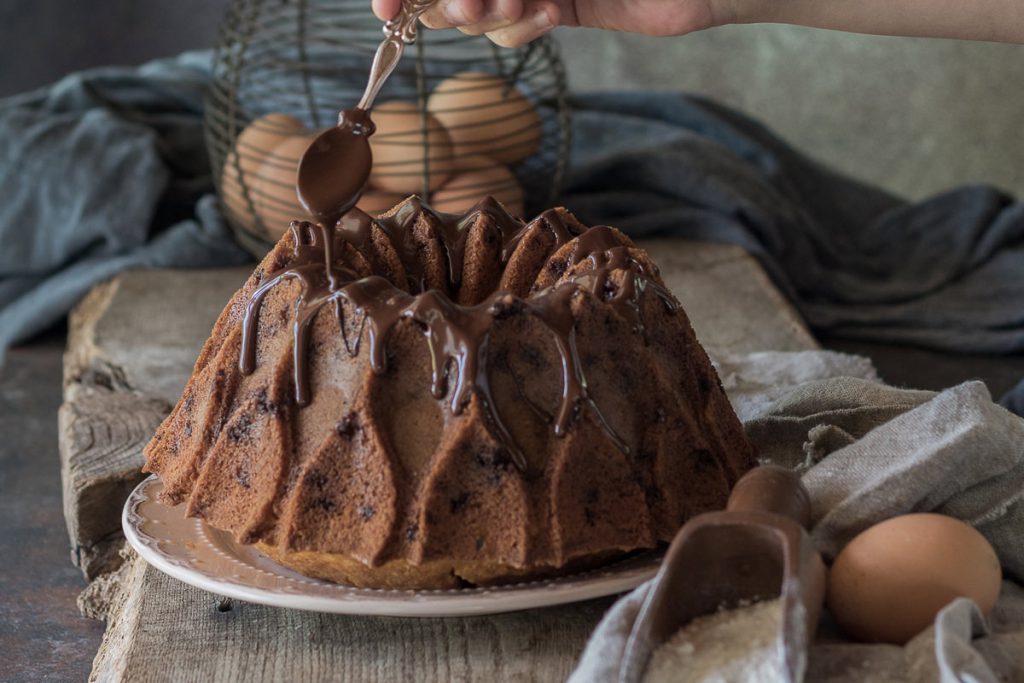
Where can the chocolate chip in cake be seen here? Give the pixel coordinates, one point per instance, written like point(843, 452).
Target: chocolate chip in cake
point(558, 268)
point(240, 429)
point(242, 477)
point(315, 479)
point(458, 503)
point(349, 426)
point(322, 503)
point(704, 459)
point(265, 406)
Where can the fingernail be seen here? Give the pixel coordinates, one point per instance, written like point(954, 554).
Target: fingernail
point(541, 20)
point(453, 12)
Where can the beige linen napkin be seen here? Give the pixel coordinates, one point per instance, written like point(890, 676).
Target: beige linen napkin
point(867, 452)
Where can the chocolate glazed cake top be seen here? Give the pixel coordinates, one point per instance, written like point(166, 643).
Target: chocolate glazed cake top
point(456, 335)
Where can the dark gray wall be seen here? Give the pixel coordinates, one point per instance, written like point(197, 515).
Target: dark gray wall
point(41, 40)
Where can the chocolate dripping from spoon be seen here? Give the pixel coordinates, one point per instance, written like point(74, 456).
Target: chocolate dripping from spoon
point(334, 169)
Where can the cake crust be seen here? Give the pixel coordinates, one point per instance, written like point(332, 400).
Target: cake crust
point(430, 401)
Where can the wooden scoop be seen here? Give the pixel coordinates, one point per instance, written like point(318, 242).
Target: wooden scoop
point(756, 549)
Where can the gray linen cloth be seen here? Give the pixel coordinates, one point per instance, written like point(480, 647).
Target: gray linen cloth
point(867, 452)
point(104, 171)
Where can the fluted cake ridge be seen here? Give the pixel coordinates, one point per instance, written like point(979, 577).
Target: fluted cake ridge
point(421, 400)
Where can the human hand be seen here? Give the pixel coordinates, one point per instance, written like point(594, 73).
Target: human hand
point(512, 23)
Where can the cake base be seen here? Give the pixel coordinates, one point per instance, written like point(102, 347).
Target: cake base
point(433, 575)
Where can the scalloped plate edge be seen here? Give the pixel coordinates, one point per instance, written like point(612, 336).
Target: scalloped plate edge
point(264, 582)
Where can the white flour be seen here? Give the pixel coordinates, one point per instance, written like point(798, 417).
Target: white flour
point(732, 646)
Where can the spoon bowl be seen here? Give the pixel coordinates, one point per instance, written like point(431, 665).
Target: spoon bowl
point(334, 169)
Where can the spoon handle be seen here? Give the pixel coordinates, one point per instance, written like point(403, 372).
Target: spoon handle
point(772, 489)
point(398, 33)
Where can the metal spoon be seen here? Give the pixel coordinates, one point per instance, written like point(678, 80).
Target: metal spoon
point(334, 169)
point(756, 549)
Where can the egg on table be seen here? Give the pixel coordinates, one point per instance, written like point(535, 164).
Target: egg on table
point(889, 583)
point(477, 177)
point(407, 145)
point(486, 115)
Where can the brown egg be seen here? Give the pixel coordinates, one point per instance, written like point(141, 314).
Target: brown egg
point(376, 202)
point(231, 191)
point(273, 190)
point(888, 584)
point(484, 115)
point(477, 177)
point(402, 154)
point(261, 136)
point(251, 146)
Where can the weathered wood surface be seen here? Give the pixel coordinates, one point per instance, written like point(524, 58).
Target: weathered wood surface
point(42, 637)
point(144, 329)
point(131, 346)
point(162, 630)
point(733, 306)
point(102, 433)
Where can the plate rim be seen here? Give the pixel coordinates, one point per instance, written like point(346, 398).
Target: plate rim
point(539, 593)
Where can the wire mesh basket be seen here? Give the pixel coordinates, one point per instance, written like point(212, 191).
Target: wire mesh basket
point(459, 119)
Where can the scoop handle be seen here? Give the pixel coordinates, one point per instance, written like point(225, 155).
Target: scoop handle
point(770, 488)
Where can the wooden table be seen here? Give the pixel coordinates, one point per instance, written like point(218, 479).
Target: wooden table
point(130, 349)
point(42, 636)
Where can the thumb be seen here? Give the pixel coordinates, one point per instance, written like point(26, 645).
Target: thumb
point(386, 9)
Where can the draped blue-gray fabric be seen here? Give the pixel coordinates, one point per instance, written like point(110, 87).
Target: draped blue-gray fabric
point(104, 171)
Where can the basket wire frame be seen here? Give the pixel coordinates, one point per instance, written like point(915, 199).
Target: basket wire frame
point(310, 58)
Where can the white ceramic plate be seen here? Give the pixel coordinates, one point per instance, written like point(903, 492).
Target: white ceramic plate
point(207, 558)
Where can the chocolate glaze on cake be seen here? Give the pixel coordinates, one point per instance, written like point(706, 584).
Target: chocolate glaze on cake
point(455, 334)
point(422, 400)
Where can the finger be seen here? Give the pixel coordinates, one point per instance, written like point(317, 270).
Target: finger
point(539, 19)
point(498, 14)
point(449, 13)
point(386, 9)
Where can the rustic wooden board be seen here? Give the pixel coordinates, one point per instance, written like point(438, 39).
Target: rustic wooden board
point(731, 302)
point(144, 329)
point(162, 630)
point(131, 348)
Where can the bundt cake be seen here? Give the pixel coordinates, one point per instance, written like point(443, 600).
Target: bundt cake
point(424, 400)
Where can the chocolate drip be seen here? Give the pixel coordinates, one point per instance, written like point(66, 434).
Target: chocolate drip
point(607, 254)
point(457, 336)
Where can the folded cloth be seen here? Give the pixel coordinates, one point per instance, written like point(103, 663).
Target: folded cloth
point(1013, 400)
point(105, 170)
point(868, 452)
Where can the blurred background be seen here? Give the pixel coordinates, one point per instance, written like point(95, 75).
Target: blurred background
point(42, 41)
